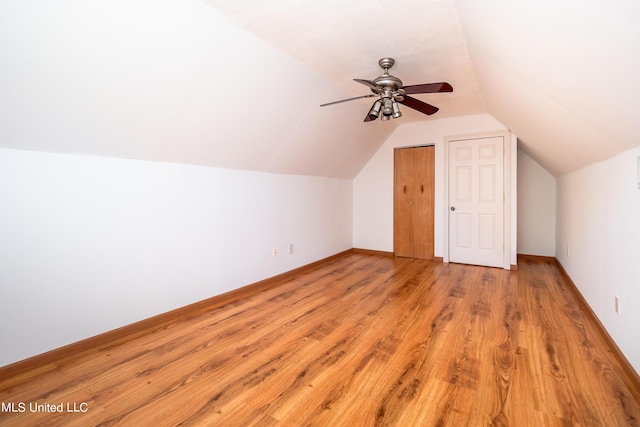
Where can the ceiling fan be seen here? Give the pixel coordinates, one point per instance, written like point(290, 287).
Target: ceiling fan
point(390, 92)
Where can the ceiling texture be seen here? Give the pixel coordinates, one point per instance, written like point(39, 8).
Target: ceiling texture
point(238, 83)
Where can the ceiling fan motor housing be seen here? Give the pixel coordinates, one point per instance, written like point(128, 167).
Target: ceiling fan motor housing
point(387, 81)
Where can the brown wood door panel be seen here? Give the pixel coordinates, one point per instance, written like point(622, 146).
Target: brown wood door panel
point(414, 202)
point(403, 193)
point(423, 215)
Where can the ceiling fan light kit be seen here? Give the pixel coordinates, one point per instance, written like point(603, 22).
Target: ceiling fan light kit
point(390, 91)
point(375, 110)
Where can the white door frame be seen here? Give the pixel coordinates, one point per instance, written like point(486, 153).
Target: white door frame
point(510, 193)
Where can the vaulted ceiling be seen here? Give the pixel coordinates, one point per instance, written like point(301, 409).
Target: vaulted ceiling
point(238, 84)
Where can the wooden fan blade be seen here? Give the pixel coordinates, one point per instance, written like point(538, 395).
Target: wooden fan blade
point(429, 88)
point(372, 85)
point(348, 99)
point(417, 105)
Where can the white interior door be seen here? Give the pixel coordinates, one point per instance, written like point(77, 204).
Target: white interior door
point(476, 201)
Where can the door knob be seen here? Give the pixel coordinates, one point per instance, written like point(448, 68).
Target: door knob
point(453, 208)
point(411, 202)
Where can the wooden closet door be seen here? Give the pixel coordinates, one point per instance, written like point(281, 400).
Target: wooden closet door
point(403, 202)
point(414, 202)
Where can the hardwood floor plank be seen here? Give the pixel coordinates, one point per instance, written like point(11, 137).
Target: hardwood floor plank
point(363, 339)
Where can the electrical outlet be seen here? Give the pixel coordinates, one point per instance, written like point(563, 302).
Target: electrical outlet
point(290, 248)
point(275, 252)
point(568, 251)
point(617, 305)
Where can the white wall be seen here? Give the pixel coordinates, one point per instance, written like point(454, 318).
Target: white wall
point(373, 186)
point(89, 244)
point(536, 208)
point(598, 243)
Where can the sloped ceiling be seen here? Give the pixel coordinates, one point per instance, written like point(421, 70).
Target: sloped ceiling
point(563, 75)
point(343, 40)
point(169, 80)
point(238, 84)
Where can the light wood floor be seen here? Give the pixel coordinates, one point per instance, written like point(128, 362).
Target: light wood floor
point(364, 340)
